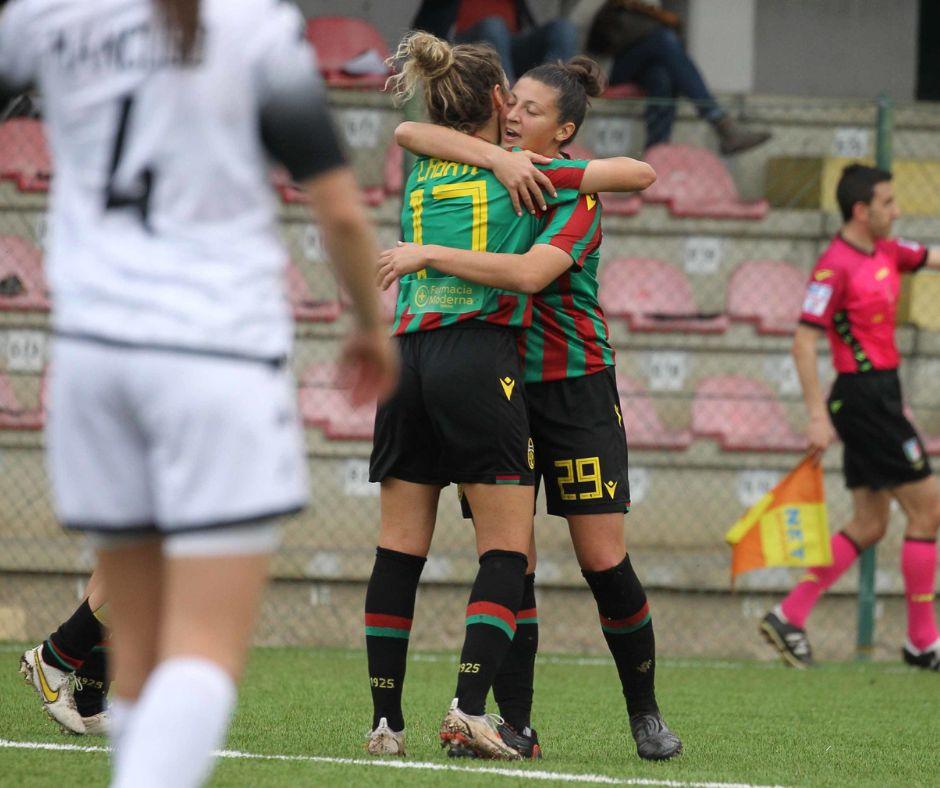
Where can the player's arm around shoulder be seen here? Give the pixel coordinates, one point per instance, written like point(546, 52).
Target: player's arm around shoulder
point(618, 174)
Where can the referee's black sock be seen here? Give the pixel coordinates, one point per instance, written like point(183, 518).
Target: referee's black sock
point(512, 687)
point(69, 646)
point(390, 607)
point(628, 630)
point(491, 624)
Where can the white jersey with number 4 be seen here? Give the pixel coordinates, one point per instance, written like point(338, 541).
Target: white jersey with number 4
point(162, 219)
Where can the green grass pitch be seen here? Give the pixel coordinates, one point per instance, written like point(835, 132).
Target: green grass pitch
point(746, 723)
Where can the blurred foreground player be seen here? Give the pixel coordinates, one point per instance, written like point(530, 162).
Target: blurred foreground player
point(852, 297)
point(173, 437)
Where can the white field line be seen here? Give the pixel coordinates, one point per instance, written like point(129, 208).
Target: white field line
point(497, 771)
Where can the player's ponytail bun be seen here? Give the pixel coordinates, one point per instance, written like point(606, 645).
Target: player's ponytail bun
point(457, 81)
point(575, 82)
point(182, 18)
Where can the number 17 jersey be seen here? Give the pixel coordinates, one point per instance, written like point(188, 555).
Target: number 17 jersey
point(463, 207)
point(162, 220)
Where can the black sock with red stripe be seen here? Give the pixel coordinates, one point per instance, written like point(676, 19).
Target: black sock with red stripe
point(512, 687)
point(628, 630)
point(491, 623)
point(390, 607)
point(69, 646)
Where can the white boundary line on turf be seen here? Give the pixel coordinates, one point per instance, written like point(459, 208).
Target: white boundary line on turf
point(497, 771)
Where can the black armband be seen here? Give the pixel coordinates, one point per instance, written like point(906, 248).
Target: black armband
point(297, 131)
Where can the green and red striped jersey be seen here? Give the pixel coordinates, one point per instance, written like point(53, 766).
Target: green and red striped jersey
point(464, 207)
point(568, 336)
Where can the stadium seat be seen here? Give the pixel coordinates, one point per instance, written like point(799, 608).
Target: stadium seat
point(625, 90)
point(339, 40)
point(694, 182)
point(22, 284)
point(12, 415)
point(644, 428)
point(307, 309)
point(767, 292)
point(394, 169)
point(654, 295)
point(24, 156)
point(324, 404)
point(616, 204)
point(387, 298)
point(742, 415)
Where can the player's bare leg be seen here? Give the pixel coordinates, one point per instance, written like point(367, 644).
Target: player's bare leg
point(407, 526)
point(502, 517)
point(600, 546)
point(921, 503)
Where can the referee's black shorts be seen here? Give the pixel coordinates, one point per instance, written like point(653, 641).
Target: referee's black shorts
point(881, 448)
point(459, 413)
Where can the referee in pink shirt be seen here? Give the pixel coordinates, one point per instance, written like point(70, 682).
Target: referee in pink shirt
point(852, 297)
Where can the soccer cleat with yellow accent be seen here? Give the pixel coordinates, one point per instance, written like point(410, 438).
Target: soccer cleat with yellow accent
point(384, 741)
point(55, 688)
point(790, 641)
point(477, 733)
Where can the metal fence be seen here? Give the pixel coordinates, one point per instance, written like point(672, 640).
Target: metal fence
point(702, 280)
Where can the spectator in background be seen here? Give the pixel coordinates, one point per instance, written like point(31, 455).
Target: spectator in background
point(646, 49)
point(507, 25)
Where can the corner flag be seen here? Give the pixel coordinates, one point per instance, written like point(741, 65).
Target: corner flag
point(787, 527)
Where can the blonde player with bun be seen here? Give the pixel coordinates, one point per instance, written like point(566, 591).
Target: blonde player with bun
point(173, 438)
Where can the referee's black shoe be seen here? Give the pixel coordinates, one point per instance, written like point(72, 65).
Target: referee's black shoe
point(790, 641)
point(654, 740)
point(928, 659)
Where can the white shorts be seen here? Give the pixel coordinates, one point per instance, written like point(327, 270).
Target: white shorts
point(156, 441)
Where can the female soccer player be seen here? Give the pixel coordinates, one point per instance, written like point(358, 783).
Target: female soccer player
point(574, 408)
point(459, 412)
point(173, 437)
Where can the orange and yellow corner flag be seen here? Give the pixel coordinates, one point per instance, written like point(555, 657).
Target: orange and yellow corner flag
point(787, 527)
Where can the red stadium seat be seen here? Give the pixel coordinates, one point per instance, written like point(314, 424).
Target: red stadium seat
point(324, 404)
point(12, 415)
point(768, 292)
point(625, 90)
point(24, 156)
point(394, 169)
point(21, 275)
point(388, 299)
point(694, 183)
point(654, 295)
point(339, 39)
point(743, 415)
point(644, 428)
point(306, 309)
point(616, 204)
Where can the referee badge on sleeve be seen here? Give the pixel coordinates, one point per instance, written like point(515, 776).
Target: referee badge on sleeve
point(913, 452)
point(817, 299)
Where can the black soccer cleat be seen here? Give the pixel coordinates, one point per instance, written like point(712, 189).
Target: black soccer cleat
point(526, 743)
point(790, 641)
point(654, 740)
point(928, 659)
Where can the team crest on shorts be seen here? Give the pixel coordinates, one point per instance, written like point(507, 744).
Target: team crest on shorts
point(913, 452)
point(530, 455)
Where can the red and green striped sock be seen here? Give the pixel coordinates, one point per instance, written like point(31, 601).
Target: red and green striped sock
point(628, 630)
point(491, 625)
point(513, 685)
point(390, 604)
point(69, 646)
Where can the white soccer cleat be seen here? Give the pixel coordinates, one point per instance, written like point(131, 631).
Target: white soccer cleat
point(384, 741)
point(97, 724)
point(55, 688)
point(478, 734)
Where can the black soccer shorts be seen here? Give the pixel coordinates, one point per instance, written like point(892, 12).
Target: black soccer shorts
point(459, 413)
point(881, 448)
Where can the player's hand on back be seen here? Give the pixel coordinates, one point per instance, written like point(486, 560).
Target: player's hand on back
point(820, 434)
point(403, 258)
point(368, 365)
point(524, 181)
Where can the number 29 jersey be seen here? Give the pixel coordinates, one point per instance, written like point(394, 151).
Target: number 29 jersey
point(162, 219)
